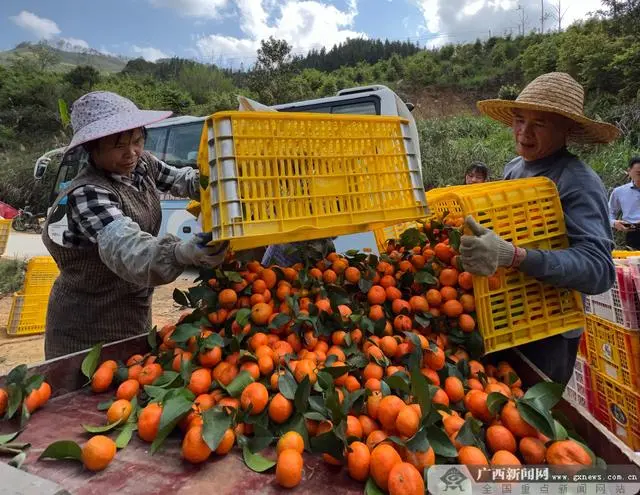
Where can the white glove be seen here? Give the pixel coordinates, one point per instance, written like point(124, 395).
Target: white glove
point(484, 252)
point(196, 252)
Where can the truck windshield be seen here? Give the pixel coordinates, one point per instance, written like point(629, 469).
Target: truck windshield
point(177, 145)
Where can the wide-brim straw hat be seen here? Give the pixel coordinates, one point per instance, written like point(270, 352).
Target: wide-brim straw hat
point(559, 93)
point(102, 113)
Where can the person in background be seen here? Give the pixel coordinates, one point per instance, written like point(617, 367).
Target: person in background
point(624, 206)
point(546, 116)
point(477, 173)
point(108, 254)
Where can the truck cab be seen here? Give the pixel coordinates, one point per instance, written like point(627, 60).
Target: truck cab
point(176, 140)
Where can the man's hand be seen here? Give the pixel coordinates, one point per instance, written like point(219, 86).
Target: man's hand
point(620, 226)
point(484, 251)
point(196, 252)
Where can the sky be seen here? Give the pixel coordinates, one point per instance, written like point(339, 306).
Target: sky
point(228, 32)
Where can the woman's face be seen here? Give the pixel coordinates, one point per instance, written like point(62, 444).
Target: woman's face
point(119, 153)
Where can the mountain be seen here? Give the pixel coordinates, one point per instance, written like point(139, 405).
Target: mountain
point(64, 60)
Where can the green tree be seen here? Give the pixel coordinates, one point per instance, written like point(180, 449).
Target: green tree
point(83, 77)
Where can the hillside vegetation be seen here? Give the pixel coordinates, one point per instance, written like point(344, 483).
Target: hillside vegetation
point(602, 54)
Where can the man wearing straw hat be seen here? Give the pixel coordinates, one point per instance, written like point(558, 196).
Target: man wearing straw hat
point(545, 117)
point(108, 253)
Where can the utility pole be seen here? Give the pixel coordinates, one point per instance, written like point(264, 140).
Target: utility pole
point(559, 14)
point(542, 16)
point(521, 9)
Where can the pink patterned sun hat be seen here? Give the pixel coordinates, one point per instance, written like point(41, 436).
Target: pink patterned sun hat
point(102, 113)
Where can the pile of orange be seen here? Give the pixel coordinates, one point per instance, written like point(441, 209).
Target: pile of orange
point(369, 318)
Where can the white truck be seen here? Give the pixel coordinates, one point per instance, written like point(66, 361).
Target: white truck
point(176, 141)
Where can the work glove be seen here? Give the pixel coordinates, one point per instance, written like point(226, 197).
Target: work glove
point(196, 252)
point(484, 252)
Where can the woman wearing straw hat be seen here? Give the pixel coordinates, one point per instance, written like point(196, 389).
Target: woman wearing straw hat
point(108, 254)
point(545, 117)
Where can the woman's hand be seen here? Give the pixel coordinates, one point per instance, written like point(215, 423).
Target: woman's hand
point(197, 252)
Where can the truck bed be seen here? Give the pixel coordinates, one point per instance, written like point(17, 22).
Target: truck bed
point(135, 471)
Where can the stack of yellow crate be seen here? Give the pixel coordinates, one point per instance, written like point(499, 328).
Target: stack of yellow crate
point(5, 229)
point(29, 309)
point(612, 335)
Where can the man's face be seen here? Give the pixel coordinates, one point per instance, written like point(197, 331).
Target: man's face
point(539, 134)
point(634, 173)
point(119, 153)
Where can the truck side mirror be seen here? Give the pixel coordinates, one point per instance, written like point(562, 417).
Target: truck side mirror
point(410, 106)
point(41, 168)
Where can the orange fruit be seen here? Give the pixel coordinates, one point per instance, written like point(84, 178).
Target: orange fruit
point(98, 452)
point(44, 393)
point(452, 424)
point(32, 402)
point(568, 452)
point(383, 459)
point(194, 449)
point(102, 378)
point(270, 278)
point(306, 367)
point(448, 293)
point(373, 405)
point(533, 450)
point(368, 425)
point(476, 403)
point(225, 445)
point(227, 298)
point(358, 461)
point(454, 388)
point(200, 381)
point(421, 460)
point(149, 421)
point(255, 395)
point(128, 389)
point(211, 357)
point(119, 411)
point(376, 295)
point(465, 281)
point(405, 479)
point(466, 323)
point(443, 252)
point(504, 458)
point(434, 359)
point(224, 373)
point(511, 418)
point(468, 303)
point(354, 428)
point(290, 440)
point(352, 275)
point(494, 282)
point(449, 276)
point(469, 454)
point(149, 373)
point(388, 411)
point(280, 408)
point(260, 313)
point(289, 468)
point(407, 421)
point(434, 298)
point(389, 345)
point(500, 438)
point(452, 308)
point(374, 438)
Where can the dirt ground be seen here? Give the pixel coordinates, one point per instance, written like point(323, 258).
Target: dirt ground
point(30, 349)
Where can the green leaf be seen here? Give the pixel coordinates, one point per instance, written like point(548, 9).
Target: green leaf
point(262, 438)
point(174, 407)
point(63, 449)
point(242, 316)
point(370, 488)
point(469, 432)
point(495, 402)
point(239, 383)
point(561, 431)
point(181, 298)
point(351, 398)
point(123, 439)
point(332, 402)
point(215, 422)
point(280, 320)
point(15, 399)
point(256, 462)
point(384, 389)
point(398, 381)
point(17, 375)
point(166, 380)
point(287, 386)
point(425, 277)
point(314, 415)
point(420, 389)
point(91, 360)
point(419, 442)
point(538, 417)
point(8, 437)
point(454, 239)
point(152, 339)
point(325, 380)
point(328, 443)
point(184, 332)
point(33, 383)
point(212, 341)
point(547, 394)
point(302, 395)
point(412, 237)
point(336, 371)
point(156, 394)
point(298, 424)
point(357, 360)
point(440, 442)
point(101, 428)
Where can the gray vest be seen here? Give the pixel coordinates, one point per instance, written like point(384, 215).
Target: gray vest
point(88, 302)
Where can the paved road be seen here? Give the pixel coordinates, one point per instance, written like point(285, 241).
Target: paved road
point(25, 245)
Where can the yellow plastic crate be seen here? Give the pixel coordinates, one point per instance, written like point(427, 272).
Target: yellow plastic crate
point(42, 272)
point(28, 314)
point(282, 177)
point(5, 229)
point(383, 234)
point(624, 254)
point(614, 350)
point(618, 408)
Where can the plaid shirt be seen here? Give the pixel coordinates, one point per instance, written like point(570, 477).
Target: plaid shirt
point(91, 208)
